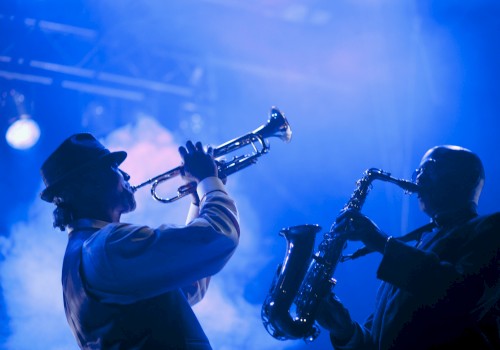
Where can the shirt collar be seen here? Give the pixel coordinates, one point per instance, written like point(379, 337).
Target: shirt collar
point(456, 216)
point(82, 224)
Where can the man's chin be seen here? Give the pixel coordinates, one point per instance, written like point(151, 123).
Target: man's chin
point(131, 205)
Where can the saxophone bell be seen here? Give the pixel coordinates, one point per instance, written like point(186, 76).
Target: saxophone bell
point(275, 314)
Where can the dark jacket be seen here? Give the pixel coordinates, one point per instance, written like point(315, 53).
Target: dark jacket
point(443, 294)
point(165, 322)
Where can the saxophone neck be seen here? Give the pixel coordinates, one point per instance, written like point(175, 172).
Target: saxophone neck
point(407, 186)
point(364, 185)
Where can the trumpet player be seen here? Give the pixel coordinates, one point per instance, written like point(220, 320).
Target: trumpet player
point(443, 291)
point(130, 286)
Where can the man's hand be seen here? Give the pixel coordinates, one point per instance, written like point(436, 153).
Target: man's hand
point(358, 227)
point(197, 164)
point(334, 317)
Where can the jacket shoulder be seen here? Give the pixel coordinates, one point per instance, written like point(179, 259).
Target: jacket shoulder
point(487, 223)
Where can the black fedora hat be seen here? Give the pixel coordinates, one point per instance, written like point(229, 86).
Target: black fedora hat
point(76, 155)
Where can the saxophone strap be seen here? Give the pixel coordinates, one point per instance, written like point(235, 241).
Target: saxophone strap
point(415, 235)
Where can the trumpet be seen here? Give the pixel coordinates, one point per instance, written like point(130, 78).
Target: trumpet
point(276, 126)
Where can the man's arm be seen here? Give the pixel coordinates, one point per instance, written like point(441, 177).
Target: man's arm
point(124, 263)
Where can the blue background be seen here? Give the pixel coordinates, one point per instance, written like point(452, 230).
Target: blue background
point(363, 84)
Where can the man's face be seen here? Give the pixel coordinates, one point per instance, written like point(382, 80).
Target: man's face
point(449, 178)
point(426, 176)
point(121, 195)
point(439, 181)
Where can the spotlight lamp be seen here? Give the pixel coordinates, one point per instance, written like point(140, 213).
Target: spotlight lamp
point(23, 133)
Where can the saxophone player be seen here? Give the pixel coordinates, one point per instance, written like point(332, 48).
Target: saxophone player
point(441, 292)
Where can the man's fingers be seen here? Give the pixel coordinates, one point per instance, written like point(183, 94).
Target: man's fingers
point(343, 222)
point(199, 146)
point(210, 151)
point(190, 147)
point(182, 152)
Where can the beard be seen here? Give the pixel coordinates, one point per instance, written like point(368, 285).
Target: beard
point(128, 201)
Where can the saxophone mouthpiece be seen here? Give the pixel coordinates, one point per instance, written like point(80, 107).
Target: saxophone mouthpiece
point(409, 187)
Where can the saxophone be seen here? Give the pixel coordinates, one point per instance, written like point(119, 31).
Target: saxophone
point(303, 279)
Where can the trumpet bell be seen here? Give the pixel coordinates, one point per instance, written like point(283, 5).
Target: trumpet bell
point(277, 126)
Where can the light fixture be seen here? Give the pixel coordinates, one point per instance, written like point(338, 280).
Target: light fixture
point(23, 133)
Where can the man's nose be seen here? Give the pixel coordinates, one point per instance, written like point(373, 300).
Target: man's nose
point(125, 175)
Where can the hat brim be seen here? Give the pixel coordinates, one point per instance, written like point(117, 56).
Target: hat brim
point(113, 157)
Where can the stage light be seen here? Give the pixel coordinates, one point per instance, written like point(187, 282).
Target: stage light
point(23, 133)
